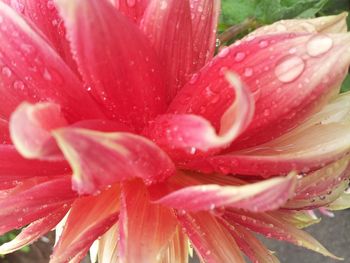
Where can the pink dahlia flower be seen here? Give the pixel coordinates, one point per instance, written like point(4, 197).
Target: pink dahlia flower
point(118, 121)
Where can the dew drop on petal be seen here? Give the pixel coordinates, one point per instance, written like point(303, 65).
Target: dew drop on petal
point(18, 85)
point(263, 44)
point(239, 56)
point(319, 45)
point(289, 68)
point(50, 5)
point(224, 52)
point(248, 72)
point(6, 72)
point(163, 4)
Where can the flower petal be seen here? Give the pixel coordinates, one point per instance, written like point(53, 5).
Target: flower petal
point(257, 197)
point(343, 202)
point(323, 24)
point(168, 25)
point(145, 228)
point(299, 219)
point(32, 71)
point(108, 246)
point(205, 16)
point(116, 157)
point(249, 244)
point(43, 14)
point(115, 60)
point(320, 140)
point(34, 231)
point(32, 200)
point(287, 87)
point(212, 242)
point(15, 169)
point(132, 9)
point(94, 215)
point(189, 133)
point(321, 187)
point(277, 228)
point(31, 126)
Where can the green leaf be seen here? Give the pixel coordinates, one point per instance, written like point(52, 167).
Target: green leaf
point(346, 84)
point(235, 11)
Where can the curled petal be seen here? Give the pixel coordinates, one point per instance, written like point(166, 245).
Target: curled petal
point(190, 132)
point(94, 215)
point(34, 231)
point(277, 228)
point(116, 61)
point(43, 14)
point(143, 225)
point(323, 24)
point(134, 9)
point(115, 157)
point(256, 197)
point(39, 73)
point(211, 240)
point(205, 16)
point(168, 25)
point(320, 140)
point(283, 73)
point(31, 126)
point(341, 203)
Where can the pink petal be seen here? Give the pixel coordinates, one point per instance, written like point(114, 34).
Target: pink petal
point(321, 187)
point(211, 240)
point(14, 168)
point(189, 133)
point(31, 126)
point(115, 60)
point(38, 74)
point(287, 87)
point(89, 218)
point(32, 200)
point(133, 9)
point(34, 231)
point(205, 15)
point(323, 24)
point(256, 197)
point(322, 139)
point(177, 250)
point(145, 228)
point(273, 227)
point(115, 157)
point(168, 26)
point(249, 244)
point(43, 14)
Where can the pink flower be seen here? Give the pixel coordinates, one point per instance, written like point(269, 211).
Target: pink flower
point(131, 130)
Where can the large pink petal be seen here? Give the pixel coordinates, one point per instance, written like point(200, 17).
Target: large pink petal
point(32, 200)
point(115, 60)
point(281, 70)
point(277, 228)
point(31, 70)
point(14, 168)
point(145, 228)
point(168, 26)
point(181, 135)
point(34, 231)
point(89, 218)
point(115, 157)
point(249, 244)
point(43, 14)
point(212, 241)
point(133, 9)
point(205, 15)
point(257, 197)
point(320, 140)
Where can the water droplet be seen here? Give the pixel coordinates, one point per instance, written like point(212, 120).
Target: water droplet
point(163, 4)
point(47, 75)
point(18, 85)
point(194, 78)
point(224, 52)
point(239, 56)
point(217, 42)
point(50, 5)
point(319, 45)
point(248, 72)
point(263, 44)
point(289, 68)
point(6, 72)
